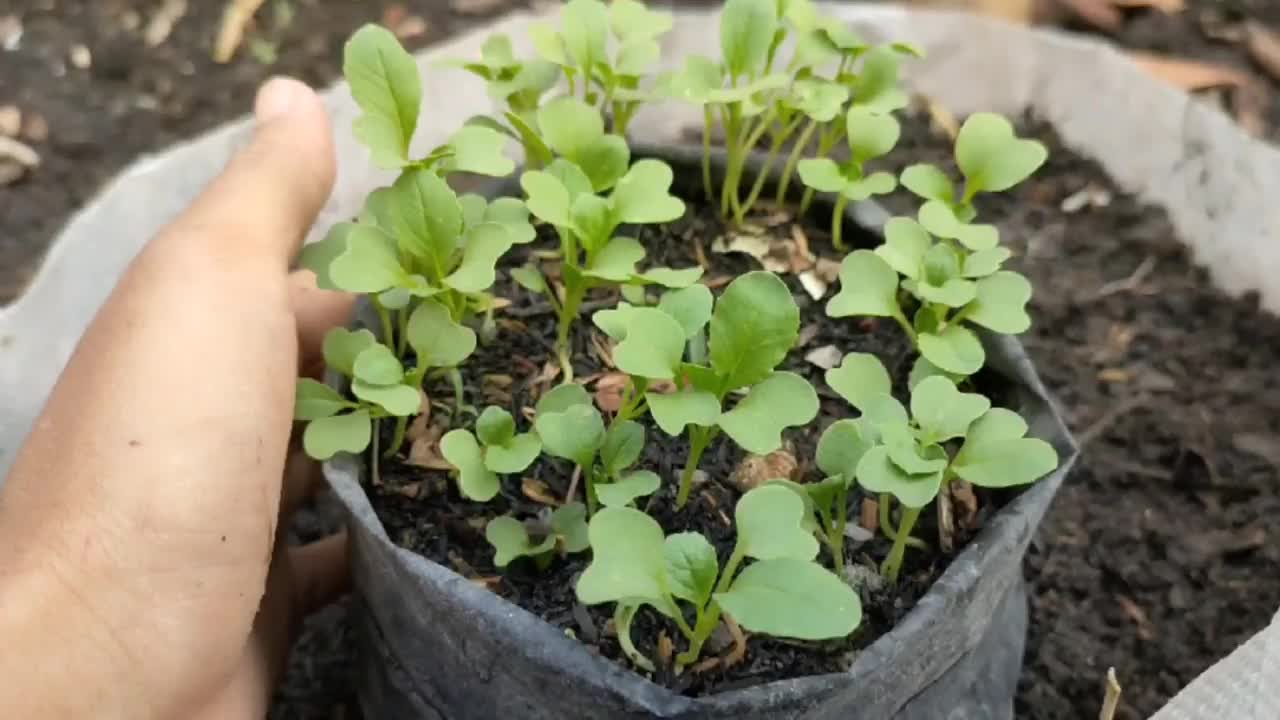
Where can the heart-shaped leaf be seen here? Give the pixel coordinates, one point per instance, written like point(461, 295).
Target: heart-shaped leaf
point(314, 400)
point(563, 397)
point(513, 456)
point(616, 261)
point(924, 369)
point(628, 488)
point(546, 197)
point(623, 443)
point(780, 401)
point(877, 473)
point(653, 347)
point(991, 157)
point(672, 412)
point(792, 598)
point(754, 324)
point(996, 455)
point(822, 174)
point(880, 183)
point(378, 365)
point(956, 350)
point(574, 434)
point(984, 262)
point(859, 378)
point(669, 277)
point(905, 245)
point(643, 195)
point(399, 400)
point(842, 446)
point(436, 339)
point(1001, 303)
point(876, 87)
point(746, 32)
point(475, 480)
point(341, 347)
point(870, 133)
point(385, 83)
point(952, 293)
point(485, 244)
point(690, 306)
point(510, 540)
point(818, 98)
point(511, 214)
point(328, 436)
point(770, 524)
point(478, 149)
point(942, 411)
point(928, 182)
point(628, 561)
point(868, 286)
point(940, 219)
point(613, 321)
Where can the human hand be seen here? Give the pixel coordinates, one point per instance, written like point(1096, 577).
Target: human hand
point(141, 569)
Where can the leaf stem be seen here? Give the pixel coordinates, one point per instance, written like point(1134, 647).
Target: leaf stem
point(905, 324)
point(633, 399)
point(384, 317)
point(402, 425)
point(893, 565)
point(793, 160)
point(837, 221)
point(699, 439)
point(886, 525)
point(708, 620)
point(836, 531)
point(373, 455)
point(707, 121)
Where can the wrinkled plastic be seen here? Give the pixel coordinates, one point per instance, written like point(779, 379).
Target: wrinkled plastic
point(435, 645)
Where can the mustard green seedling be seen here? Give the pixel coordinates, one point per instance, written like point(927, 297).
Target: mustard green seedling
point(495, 448)
point(561, 532)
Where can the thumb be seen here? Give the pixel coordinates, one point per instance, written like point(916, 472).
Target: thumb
point(262, 205)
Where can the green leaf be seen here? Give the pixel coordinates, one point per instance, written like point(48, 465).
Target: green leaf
point(546, 197)
point(754, 325)
point(870, 135)
point(690, 306)
point(672, 412)
point(436, 339)
point(792, 598)
point(939, 219)
point(318, 256)
point(514, 455)
point(569, 124)
point(342, 347)
point(643, 195)
point(475, 480)
point(399, 400)
point(485, 244)
point(691, 567)
point(570, 523)
point(613, 321)
point(511, 214)
point(378, 365)
point(592, 220)
point(868, 286)
point(623, 443)
point(818, 98)
point(880, 183)
point(495, 426)
point(574, 434)
point(534, 147)
point(914, 460)
point(955, 350)
point(368, 264)
point(428, 217)
point(746, 31)
point(314, 400)
point(860, 378)
point(631, 19)
point(876, 87)
point(548, 43)
point(996, 455)
point(628, 488)
point(1001, 303)
point(696, 81)
point(628, 561)
point(530, 278)
point(653, 347)
point(634, 294)
point(616, 261)
point(842, 446)
point(883, 411)
point(328, 436)
point(822, 174)
point(396, 298)
point(878, 474)
point(604, 161)
point(385, 84)
point(953, 293)
point(585, 30)
point(780, 401)
point(478, 149)
point(669, 277)
point(510, 540)
point(984, 262)
point(991, 157)
point(770, 524)
point(562, 397)
point(928, 182)
point(906, 243)
point(496, 51)
point(924, 369)
point(942, 411)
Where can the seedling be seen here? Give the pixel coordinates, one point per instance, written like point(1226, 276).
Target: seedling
point(568, 196)
point(564, 532)
point(495, 448)
point(753, 326)
point(870, 136)
point(784, 592)
point(904, 456)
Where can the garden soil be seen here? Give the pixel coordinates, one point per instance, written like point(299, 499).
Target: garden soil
point(1157, 557)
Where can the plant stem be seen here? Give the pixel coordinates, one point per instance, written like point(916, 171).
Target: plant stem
point(388, 333)
point(402, 425)
point(633, 399)
point(708, 620)
point(793, 160)
point(886, 525)
point(837, 221)
point(753, 138)
point(893, 565)
point(836, 531)
point(589, 487)
point(706, 152)
point(402, 341)
point(699, 438)
point(459, 400)
point(905, 324)
point(574, 292)
point(373, 455)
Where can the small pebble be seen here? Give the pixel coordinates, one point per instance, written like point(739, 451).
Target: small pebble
point(861, 577)
point(81, 58)
point(10, 120)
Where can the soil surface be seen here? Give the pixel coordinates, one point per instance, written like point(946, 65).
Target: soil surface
point(1155, 558)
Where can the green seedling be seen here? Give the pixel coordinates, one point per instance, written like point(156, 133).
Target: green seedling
point(753, 326)
point(569, 196)
point(562, 532)
point(905, 456)
point(495, 448)
point(870, 136)
point(784, 592)
point(571, 428)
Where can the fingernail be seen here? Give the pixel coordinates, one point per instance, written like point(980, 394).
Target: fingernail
point(277, 97)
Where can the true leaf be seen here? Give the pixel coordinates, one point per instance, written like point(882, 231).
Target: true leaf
point(592, 220)
point(613, 321)
point(953, 293)
point(1001, 303)
point(746, 31)
point(622, 446)
point(928, 182)
point(792, 598)
point(604, 161)
point(546, 197)
point(876, 87)
point(428, 217)
point(529, 278)
point(510, 540)
point(868, 286)
point(475, 480)
point(574, 434)
point(314, 400)
point(819, 99)
point(672, 412)
point(585, 30)
point(842, 446)
point(570, 523)
point(669, 277)
point(631, 19)
point(877, 473)
point(770, 520)
point(436, 339)
point(691, 567)
point(478, 149)
point(780, 401)
point(859, 378)
point(754, 325)
point(341, 347)
point(956, 350)
point(628, 488)
point(690, 306)
point(942, 411)
point(378, 365)
point(385, 83)
point(628, 562)
point(485, 244)
point(991, 157)
point(569, 124)
point(653, 347)
point(511, 214)
point(318, 256)
point(643, 194)
point(616, 261)
point(905, 245)
point(328, 436)
point(495, 426)
point(368, 264)
point(916, 460)
point(995, 453)
point(399, 400)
